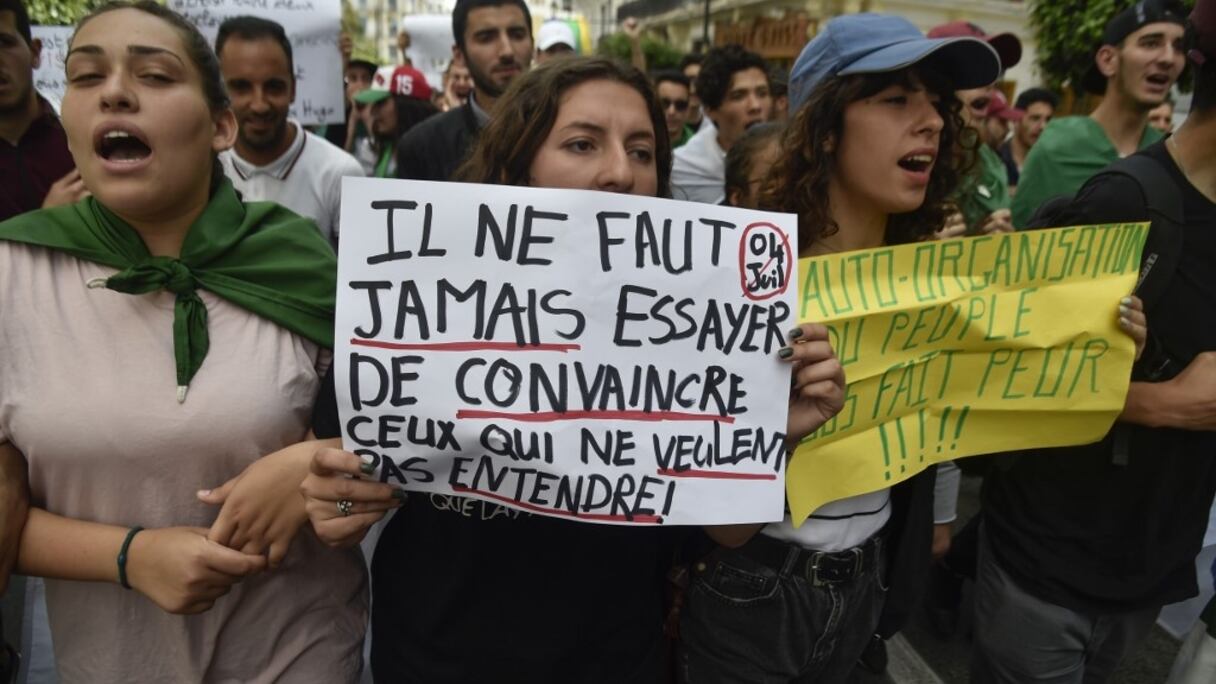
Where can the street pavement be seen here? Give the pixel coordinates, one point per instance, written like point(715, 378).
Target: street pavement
point(920, 656)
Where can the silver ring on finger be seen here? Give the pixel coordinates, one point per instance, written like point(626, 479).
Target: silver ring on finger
point(345, 506)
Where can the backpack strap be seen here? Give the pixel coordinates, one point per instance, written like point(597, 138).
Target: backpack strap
point(1162, 253)
point(1163, 202)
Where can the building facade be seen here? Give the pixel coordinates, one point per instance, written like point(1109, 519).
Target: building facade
point(381, 21)
point(772, 27)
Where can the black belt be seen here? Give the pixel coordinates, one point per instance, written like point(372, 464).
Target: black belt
point(818, 567)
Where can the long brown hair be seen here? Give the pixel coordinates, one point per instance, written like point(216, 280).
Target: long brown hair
point(798, 182)
point(525, 114)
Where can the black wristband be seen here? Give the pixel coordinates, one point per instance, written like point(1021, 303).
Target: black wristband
point(122, 556)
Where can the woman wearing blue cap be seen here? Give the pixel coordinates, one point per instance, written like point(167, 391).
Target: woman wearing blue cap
point(869, 160)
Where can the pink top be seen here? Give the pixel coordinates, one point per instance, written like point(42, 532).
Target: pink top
point(88, 395)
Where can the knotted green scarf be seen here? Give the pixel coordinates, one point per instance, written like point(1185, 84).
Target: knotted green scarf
point(259, 256)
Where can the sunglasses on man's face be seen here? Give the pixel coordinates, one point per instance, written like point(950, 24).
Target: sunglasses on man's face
point(680, 105)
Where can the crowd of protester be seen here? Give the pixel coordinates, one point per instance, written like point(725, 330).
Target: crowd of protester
point(170, 459)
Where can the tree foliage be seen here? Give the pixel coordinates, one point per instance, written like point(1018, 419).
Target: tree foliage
point(59, 12)
point(353, 25)
point(1069, 33)
point(659, 55)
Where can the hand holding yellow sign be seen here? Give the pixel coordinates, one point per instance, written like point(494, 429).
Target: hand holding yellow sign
point(964, 347)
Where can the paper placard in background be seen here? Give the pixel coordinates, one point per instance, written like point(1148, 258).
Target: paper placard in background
point(49, 76)
point(430, 48)
point(593, 356)
point(312, 26)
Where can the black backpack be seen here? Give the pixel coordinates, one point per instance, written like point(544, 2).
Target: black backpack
point(1162, 202)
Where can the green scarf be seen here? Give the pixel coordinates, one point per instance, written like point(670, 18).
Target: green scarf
point(259, 256)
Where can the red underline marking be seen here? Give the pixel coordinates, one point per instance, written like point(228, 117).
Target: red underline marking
point(552, 416)
point(464, 346)
point(648, 519)
point(717, 475)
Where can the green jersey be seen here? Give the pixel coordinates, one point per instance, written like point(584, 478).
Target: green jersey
point(1068, 153)
point(985, 190)
point(685, 135)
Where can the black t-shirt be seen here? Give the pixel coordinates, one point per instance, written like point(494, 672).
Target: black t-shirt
point(1083, 532)
point(469, 591)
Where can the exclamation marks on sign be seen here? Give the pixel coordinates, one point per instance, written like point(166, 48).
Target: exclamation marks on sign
point(886, 451)
point(958, 427)
point(921, 415)
point(903, 447)
point(956, 432)
point(895, 442)
point(941, 431)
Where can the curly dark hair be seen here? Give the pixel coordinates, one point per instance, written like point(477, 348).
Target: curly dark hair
point(719, 67)
point(525, 114)
point(798, 182)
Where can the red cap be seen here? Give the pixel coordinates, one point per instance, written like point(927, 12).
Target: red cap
point(999, 107)
point(1007, 45)
point(401, 80)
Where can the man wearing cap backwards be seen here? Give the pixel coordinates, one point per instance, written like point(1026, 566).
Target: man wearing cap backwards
point(494, 40)
point(868, 161)
point(275, 159)
point(1137, 64)
point(554, 39)
point(1083, 545)
point(983, 198)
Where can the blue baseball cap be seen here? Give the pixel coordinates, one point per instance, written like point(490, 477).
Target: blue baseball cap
point(877, 43)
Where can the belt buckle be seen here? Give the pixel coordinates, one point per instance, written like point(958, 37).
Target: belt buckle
point(813, 569)
point(818, 581)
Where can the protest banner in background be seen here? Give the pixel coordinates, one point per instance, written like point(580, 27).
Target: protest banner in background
point(312, 26)
point(595, 356)
point(430, 45)
point(49, 78)
point(961, 347)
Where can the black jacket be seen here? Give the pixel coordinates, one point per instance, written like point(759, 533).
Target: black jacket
point(433, 149)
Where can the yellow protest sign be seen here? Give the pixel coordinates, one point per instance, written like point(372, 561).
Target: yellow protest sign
point(963, 347)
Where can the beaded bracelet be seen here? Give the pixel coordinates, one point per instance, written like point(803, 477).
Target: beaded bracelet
point(122, 556)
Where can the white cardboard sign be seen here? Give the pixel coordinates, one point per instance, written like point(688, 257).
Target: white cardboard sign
point(588, 355)
point(49, 78)
point(312, 26)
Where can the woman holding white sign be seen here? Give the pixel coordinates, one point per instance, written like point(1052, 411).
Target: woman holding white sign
point(868, 160)
point(159, 337)
point(466, 590)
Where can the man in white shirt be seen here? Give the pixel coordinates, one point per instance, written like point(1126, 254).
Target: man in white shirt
point(733, 87)
point(275, 159)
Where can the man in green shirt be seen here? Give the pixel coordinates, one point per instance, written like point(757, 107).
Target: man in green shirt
point(1140, 59)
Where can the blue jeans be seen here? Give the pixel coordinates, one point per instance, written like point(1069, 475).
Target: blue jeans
point(748, 623)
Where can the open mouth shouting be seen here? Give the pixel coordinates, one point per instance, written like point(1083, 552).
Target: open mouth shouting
point(1158, 82)
point(121, 147)
point(919, 163)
